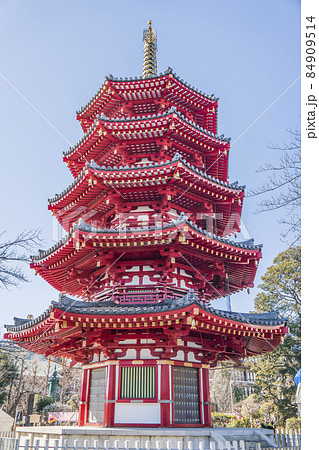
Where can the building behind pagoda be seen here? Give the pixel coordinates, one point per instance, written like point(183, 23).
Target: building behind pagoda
point(148, 219)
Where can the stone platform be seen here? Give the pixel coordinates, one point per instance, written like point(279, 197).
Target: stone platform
point(154, 438)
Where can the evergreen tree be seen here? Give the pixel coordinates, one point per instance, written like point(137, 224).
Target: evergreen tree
point(274, 372)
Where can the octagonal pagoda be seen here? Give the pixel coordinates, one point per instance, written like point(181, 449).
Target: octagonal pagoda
point(148, 219)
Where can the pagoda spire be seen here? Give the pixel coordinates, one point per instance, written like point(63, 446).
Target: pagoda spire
point(150, 49)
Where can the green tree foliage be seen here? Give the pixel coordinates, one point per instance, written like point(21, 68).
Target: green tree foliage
point(274, 372)
point(220, 389)
point(238, 393)
point(293, 424)
point(250, 408)
point(42, 403)
point(8, 373)
point(74, 402)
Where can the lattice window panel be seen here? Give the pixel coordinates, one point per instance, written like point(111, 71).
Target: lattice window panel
point(138, 382)
point(97, 393)
point(186, 395)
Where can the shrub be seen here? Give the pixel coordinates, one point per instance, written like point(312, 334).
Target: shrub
point(221, 420)
point(244, 422)
point(42, 403)
point(293, 424)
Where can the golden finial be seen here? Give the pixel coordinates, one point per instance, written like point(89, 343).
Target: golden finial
point(150, 48)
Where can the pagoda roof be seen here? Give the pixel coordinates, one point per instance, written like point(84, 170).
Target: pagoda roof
point(116, 90)
point(140, 231)
point(137, 182)
point(70, 319)
point(110, 308)
point(146, 169)
point(106, 131)
point(85, 245)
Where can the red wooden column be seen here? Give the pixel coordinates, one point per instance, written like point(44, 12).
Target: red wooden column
point(207, 419)
point(84, 397)
point(165, 395)
point(109, 404)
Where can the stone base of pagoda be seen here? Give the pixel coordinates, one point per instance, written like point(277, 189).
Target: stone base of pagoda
point(163, 438)
point(145, 393)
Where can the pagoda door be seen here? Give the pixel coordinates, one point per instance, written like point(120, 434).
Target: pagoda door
point(186, 395)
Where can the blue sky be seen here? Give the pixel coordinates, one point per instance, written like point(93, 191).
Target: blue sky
point(56, 54)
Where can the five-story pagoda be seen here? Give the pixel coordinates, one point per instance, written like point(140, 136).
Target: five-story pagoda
point(147, 219)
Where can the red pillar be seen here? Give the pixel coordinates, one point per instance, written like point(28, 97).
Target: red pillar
point(109, 405)
point(207, 419)
point(165, 396)
point(84, 397)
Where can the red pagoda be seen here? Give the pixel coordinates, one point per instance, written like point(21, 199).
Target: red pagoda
point(147, 218)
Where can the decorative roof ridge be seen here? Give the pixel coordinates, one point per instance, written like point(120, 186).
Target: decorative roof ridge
point(172, 110)
point(68, 304)
point(69, 188)
point(29, 322)
point(151, 165)
point(82, 139)
point(176, 157)
point(243, 244)
point(43, 253)
point(81, 225)
point(182, 218)
point(169, 71)
point(253, 318)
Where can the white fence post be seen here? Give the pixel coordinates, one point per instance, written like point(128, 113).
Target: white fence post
point(235, 445)
point(27, 444)
point(106, 444)
point(180, 445)
point(241, 445)
point(116, 444)
point(201, 445)
point(212, 445)
point(96, 444)
point(137, 445)
point(148, 445)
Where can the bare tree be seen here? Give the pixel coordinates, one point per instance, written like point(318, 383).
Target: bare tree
point(12, 253)
point(282, 190)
